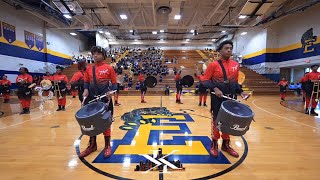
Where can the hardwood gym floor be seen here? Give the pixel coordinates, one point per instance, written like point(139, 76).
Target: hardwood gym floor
point(282, 143)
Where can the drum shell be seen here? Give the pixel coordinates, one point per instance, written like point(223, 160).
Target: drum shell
point(232, 123)
point(94, 118)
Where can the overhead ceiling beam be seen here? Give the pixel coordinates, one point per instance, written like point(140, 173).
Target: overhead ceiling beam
point(208, 18)
point(50, 21)
point(196, 10)
point(148, 18)
point(134, 17)
point(154, 14)
point(113, 16)
point(232, 5)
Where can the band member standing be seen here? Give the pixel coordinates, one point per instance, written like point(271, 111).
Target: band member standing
point(222, 77)
point(303, 87)
point(5, 86)
point(283, 84)
point(202, 91)
point(23, 81)
point(47, 76)
point(314, 75)
point(60, 81)
point(99, 78)
point(177, 78)
point(77, 80)
point(143, 87)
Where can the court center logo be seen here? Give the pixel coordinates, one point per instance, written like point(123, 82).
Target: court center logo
point(150, 129)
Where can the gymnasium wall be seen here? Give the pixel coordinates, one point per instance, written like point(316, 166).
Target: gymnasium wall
point(23, 42)
point(288, 44)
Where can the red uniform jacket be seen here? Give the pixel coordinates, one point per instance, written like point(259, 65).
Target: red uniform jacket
point(105, 76)
point(311, 76)
point(5, 82)
point(26, 77)
point(213, 76)
point(78, 76)
point(283, 83)
point(60, 77)
point(141, 78)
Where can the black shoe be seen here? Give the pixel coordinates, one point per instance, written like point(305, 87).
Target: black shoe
point(59, 108)
point(282, 99)
point(199, 103)
point(204, 104)
point(306, 111)
point(313, 112)
point(63, 108)
point(73, 97)
point(23, 111)
point(27, 111)
point(177, 100)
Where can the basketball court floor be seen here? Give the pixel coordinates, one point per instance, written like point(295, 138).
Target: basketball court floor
point(281, 143)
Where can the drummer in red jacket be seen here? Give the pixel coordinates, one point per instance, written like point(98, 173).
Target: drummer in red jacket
point(105, 75)
point(5, 86)
point(314, 75)
point(143, 87)
point(177, 79)
point(283, 84)
point(214, 79)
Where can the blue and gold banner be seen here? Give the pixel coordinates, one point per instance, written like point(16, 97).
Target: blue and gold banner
point(29, 39)
point(9, 32)
point(39, 42)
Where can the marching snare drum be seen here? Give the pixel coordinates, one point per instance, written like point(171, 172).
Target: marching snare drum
point(234, 118)
point(94, 118)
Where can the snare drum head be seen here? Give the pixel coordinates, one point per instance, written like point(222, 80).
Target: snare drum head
point(91, 110)
point(237, 108)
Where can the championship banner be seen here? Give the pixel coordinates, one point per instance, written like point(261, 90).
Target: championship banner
point(29, 39)
point(39, 42)
point(9, 32)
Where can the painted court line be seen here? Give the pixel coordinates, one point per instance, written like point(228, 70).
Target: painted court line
point(34, 118)
point(282, 116)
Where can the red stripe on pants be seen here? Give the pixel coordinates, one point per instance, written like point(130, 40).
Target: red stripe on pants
point(215, 134)
point(62, 102)
point(25, 103)
point(313, 103)
point(283, 95)
point(6, 96)
point(205, 98)
point(107, 132)
point(200, 98)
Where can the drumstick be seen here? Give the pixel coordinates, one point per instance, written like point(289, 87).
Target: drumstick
point(245, 98)
point(102, 96)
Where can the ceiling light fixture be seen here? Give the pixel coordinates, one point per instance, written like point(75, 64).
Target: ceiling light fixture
point(244, 33)
point(242, 16)
point(107, 33)
point(154, 32)
point(162, 31)
point(123, 16)
point(67, 16)
point(192, 30)
point(73, 34)
point(177, 17)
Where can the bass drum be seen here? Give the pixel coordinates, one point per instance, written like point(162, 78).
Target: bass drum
point(234, 118)
point(94, 118)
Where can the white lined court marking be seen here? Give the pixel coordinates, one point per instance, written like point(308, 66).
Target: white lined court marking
point(282, 116)
point(33, 118)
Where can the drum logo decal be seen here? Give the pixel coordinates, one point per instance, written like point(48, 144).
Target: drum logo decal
point(237, 127)
point(91, 128)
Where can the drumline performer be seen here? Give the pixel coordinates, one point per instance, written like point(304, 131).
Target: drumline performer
point(5, 86)
point(222, 77)
point(60, 81)
point(303, 85)
point(314, 75)
point(143, 87)
point(202, 91)
point(77, 80)
point(178, 79)
point(23, 81)
point(283, 84)
point(97, 80)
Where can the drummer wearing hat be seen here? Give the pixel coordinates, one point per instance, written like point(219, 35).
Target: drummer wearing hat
point(99, 78)
point(177, 79)
point(221, 77)
point(314, 75)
